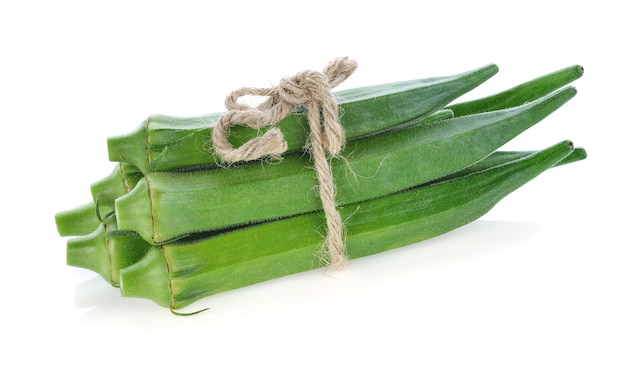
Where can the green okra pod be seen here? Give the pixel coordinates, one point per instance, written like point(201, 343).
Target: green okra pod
point(176, 275)
point(165, 207)
point(84, 219)
point(520, 94)
point(173, 225)
point(122, 180)
point(106, 250)
point(77, 221)
point(164, 143)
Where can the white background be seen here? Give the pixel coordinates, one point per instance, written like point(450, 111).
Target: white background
point(536, 284)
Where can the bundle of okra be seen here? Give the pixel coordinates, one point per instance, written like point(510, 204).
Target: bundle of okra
point(173, 225)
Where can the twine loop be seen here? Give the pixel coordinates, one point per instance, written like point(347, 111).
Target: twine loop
point(311, 90)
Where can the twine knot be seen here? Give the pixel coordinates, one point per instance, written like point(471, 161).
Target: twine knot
point(311, 90)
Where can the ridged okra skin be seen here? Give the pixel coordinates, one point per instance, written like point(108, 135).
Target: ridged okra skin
point(176, 275)
point(520, 94)
point(204, 228)
point(164, 207)
point(77, 221)
point(106, 250)
point(84, 219)
point(164, 143)
point(122, 180)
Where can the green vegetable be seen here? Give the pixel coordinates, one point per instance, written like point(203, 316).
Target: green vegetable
point(164, 207)
point(84, 219)
point(520, 94)
point(77, 221)
point(176, 275)
point(121, 181)
point(171, 225)
point(174, 135)
point(168, 143)
point(106, 250)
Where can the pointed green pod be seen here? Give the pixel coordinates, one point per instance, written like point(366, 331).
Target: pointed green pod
point(165, 207)
point(107, 250)
point(176, 275)
point(165, 143)
point(520, 94)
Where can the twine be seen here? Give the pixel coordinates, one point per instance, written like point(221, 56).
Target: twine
point(311, 90)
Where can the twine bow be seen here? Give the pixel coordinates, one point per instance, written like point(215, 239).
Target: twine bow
point(311, 90)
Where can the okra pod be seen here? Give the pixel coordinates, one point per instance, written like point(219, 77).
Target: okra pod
point(77, 221)
point(165, 143)
point(165, 207)
point(84, 219)
point(122, 180)
point(520, 94)
point(173, 225)
point(106, 250)
point(176, 275)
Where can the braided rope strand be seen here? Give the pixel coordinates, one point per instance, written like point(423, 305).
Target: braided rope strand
point(312, 90)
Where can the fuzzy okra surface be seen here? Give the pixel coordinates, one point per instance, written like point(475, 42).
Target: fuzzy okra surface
point(108, 250)
point(178, 133)
point(176, 275)
point(164, 143)
point(84, 219)
point(167, 206)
